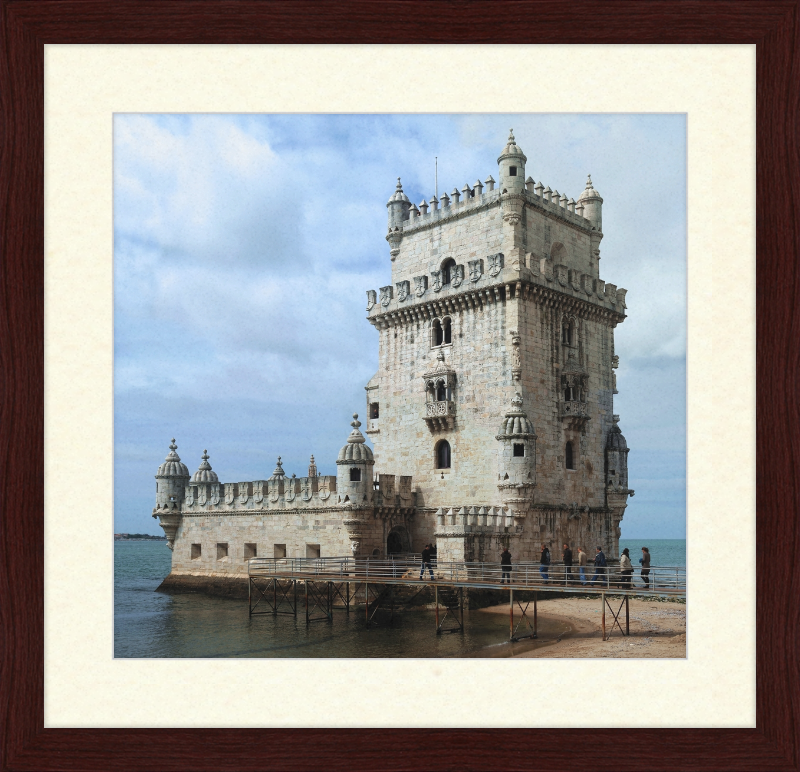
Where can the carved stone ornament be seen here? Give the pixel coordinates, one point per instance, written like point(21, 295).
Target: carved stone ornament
point(229, 493)
point(324, 490)
point(457, 276)
point(215, 494)
point(386, 296)
point(372, 299)
point(615, 361)
point(354, 545)
point(403, 290)
point(495, 264)
point(306, 489)
point(475, 270)
point(290, 494)
point(561, 274)
point(512, 218)
point(201, 496)
point(258, 492)
point(516, 367)
point(437, 280)
point(244, 494)
point(420, 285)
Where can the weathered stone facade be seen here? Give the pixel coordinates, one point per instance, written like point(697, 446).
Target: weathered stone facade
point(492, 406)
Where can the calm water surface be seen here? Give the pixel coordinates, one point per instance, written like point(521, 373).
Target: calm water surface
point(154, 624)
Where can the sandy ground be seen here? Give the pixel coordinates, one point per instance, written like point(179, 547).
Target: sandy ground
point(657, 629)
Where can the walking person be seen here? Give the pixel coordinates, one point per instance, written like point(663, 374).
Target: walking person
point(645, 572)
point(582, 564)
point(626, 568)
point(567, 557)
point(426, 561)
point(599, 565)
point(505, 564)
point(544, 563)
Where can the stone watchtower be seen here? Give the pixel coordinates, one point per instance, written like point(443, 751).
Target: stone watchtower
point(172, 479)
point(496, 299)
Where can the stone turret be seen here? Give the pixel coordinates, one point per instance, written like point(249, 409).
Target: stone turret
point(516, 477)
point(592, 205)
point(398, 206)
point(616, 460)
point(354, 469)
point(512, 167)
point(171, 482)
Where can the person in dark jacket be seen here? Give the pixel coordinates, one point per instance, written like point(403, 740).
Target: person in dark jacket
point(505, 564)
point(567, 557)
point(544, 563)
point(426, 561)
point(599, 565)
point(645, 561)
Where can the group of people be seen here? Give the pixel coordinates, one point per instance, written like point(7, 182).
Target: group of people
point(600, 566)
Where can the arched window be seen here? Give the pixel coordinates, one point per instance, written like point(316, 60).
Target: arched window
point(355, 474)
point(569, 394)
point(447, 336)
point(447, 271)
point(437, 336)
point(568, 457)
point(441, 392)
point(443, 455)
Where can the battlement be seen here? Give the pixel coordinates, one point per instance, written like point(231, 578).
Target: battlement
point(472, 199)
point(493, 285)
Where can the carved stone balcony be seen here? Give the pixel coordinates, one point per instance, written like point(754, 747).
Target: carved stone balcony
point(440, 415)
point(575, 413)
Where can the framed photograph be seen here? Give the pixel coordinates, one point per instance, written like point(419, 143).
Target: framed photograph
point(69, 704)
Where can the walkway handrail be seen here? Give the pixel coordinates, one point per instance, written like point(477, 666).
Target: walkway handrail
point(670, 579)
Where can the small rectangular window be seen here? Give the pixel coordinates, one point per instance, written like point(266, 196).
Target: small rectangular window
point(519, 450)
point(280, 550)
point(374, 410)
point(312, 551)
point(355, 475)
point(222, 551)
point(196, 551)
point(512, 171)
point(611, 471)
point(250, 551)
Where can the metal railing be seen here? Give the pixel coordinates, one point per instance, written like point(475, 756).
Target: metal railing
point(661, 579)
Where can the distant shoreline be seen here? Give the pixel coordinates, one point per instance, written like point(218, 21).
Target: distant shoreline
point(141, 538)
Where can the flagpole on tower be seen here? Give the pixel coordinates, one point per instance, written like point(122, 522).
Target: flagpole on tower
point(436, 176)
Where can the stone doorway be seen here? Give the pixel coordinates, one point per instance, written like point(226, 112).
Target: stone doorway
point(398, 541)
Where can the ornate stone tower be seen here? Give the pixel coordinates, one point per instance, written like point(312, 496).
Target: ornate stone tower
point(172, 479)
point(495, 299)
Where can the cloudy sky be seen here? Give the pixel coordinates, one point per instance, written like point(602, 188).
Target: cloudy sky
point(244, 244)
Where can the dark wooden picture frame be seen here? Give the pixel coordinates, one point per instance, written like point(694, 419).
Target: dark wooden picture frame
point(772, 25)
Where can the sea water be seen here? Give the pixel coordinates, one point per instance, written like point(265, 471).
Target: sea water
point(156, 624)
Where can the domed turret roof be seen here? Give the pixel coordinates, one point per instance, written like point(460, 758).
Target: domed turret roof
point(356, 450)
point(616, 440)
point(512, 149)
point(398, 194)
point(204, 472)
point(589, 192)
point(172, 466)
point(278, 473)
point(516, 422)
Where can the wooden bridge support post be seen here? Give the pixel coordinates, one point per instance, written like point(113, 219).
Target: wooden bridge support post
point(461, 604)
point(275, 596)
point(366, 602)
point(249, 599)
point(535, 632)
point(511, 612)
point(436, 603)
point(627, 618)
point(294, 582)
point(603, 601)
point(305, 584)
point(347, 602)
